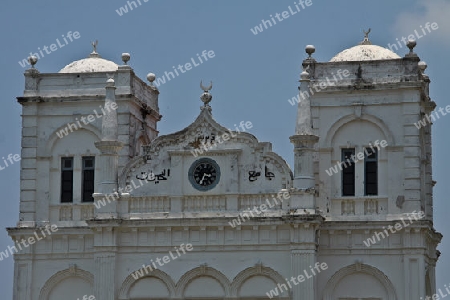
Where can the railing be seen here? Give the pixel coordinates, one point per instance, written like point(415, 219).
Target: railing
point(155, 204)
point(359, 206)
point(344, 207)
point(72, 212)
point(371, 207)
point(66, 213)
point(348, 207)
point(204, 203)
point(250, 201)
point(165, 204)
point(149, 204)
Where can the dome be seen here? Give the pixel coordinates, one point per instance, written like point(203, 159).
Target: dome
point(94, 63)
point(365, 52)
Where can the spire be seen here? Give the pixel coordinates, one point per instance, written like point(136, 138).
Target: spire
point(304, 139)
point(303, 125)
point(109, 120)
point(304, 120)
point(109, 148)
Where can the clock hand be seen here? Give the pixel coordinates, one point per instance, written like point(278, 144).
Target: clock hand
point(203, 177)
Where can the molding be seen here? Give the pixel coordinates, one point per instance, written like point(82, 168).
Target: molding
point(129, 282)
point(53, 138)
point(202, 271)
point(358, 268)
point(333, 129)
point(72, 271)
point(260, 270)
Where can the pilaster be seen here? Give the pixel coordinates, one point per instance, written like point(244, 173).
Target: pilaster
point(105, 263)
point(301, 263)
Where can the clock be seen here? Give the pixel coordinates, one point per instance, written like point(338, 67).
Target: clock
point(204, 174)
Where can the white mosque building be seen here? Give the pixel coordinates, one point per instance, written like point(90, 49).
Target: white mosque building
point(136, 215)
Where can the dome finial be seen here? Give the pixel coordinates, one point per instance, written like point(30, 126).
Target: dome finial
point(94, 45)
point(94, 51)
point(366, 40)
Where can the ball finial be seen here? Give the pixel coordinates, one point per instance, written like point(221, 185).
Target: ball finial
point(32, 60)
point(310, 49)
point(411, 44)
point(151, 77)
point(206, 97)
point(110, 81)
point(304, 75)
point(125, 57)
point(422, 66)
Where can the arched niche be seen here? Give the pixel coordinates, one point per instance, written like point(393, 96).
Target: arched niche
point(150, 287)
point(248, 283)
point(69, 283)
point(212, 283)
point(359, 281)
point(86, 131)
point(359, 133)
point(156, 285)
point(204, 287)
point(367, 119)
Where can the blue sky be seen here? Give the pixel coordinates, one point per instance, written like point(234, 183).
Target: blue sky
point(253, 75)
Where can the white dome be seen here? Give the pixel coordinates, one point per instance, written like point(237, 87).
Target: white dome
point(94, 63)
point(365, 52)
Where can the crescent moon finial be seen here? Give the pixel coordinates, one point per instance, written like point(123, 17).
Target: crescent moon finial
point(366, 40)
point(94, 45)
point(206, 89)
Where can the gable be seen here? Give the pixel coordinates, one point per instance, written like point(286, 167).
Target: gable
point(237, 161)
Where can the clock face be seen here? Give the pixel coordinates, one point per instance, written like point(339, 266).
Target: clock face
point(204, 174)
